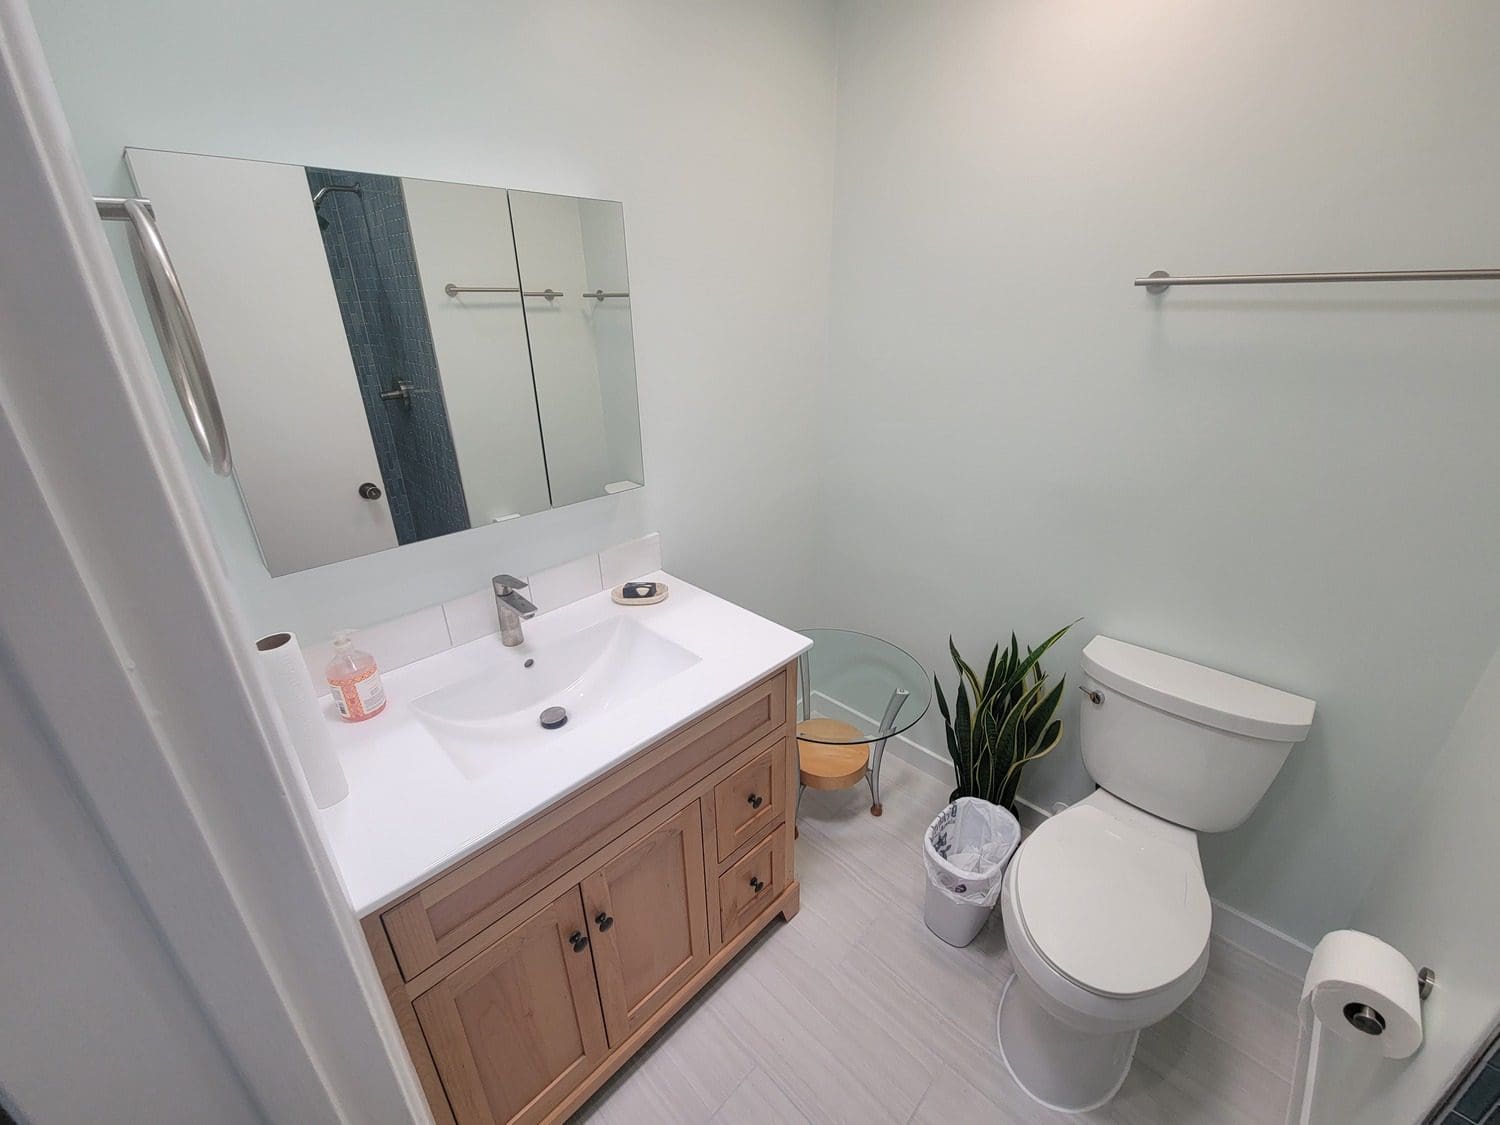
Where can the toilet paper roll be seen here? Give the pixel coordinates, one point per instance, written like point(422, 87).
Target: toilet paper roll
point(281, 657)
point(1360, 990)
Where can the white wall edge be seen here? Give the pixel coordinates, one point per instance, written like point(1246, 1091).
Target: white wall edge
point(1279, 950)
point(116, 590)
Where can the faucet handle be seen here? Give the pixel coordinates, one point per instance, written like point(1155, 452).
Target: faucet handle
point(506, 583)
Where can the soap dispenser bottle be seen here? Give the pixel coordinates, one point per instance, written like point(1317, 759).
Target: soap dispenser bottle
point(355, 680)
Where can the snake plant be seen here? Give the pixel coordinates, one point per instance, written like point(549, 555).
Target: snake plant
point(1000, 722)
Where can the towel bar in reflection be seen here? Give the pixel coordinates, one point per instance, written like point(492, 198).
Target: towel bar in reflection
point(454, 290)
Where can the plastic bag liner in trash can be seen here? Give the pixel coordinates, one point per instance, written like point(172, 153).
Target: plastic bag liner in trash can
point(966, 849)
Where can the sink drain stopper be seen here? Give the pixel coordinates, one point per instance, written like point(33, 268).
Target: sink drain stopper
point(554, 717)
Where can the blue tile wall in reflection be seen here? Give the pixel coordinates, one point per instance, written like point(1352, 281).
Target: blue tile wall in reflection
point(367, 239)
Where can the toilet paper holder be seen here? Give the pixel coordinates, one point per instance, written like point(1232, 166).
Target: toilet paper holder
point(1364, 1018)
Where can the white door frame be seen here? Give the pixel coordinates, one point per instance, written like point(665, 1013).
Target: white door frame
point(118, 617)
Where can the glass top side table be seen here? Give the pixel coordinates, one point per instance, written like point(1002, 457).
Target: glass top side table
point(855, 692)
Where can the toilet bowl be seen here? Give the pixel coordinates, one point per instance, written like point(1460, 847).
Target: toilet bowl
point(1106, 913)
point(1107, 919)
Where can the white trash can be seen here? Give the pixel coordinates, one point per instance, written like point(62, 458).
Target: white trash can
point(966, 848)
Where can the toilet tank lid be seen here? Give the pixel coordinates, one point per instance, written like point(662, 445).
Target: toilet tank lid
point(1204, 695)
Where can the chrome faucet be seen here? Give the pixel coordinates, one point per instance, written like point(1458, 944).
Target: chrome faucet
point(511, 608)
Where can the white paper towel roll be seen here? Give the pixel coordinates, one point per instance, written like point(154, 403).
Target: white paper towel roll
point(1350, 970)
point(281, 657)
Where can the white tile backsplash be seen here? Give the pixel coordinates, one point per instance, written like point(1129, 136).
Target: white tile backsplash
point(471, 616)
point(392, 643)
point(558, 585)
point(630, 560)
point(460, 620)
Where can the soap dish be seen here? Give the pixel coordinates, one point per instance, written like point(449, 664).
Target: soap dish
point(618, 594)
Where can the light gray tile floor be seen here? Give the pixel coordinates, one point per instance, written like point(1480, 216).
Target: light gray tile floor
point(853, 1012)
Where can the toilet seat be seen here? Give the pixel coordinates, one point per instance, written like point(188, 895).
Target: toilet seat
point(1115, 908)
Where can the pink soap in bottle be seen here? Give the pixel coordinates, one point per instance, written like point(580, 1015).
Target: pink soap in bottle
point(355, 680)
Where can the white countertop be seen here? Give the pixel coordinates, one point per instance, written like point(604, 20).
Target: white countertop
point(410, 813)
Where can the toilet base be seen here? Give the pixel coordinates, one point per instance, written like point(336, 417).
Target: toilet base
point(1064, 1069)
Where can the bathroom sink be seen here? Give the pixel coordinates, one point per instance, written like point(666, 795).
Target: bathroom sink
point(486, 718)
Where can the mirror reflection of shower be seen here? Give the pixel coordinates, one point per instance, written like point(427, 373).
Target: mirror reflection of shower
point(367, 240)
point(323, 191)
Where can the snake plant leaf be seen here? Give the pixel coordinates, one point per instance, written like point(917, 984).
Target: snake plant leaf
point(1049, 740)
point(1007, 790)
point(959, 773)
point(963, 729)
point(953, 752)
point(1044, 746)
point(964, 669)
point(1040, 715)
point(1033, 655)
point(1004, 749)
point(998, 724)
point(987, 757)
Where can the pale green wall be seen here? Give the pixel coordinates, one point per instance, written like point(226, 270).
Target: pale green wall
point(1297, 485)
point(1434, 900)
point(712, 123)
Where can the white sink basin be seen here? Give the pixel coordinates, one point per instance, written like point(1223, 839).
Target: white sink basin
point(483, 720)
point(458, 758)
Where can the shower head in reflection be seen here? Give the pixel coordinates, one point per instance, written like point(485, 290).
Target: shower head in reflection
point(322, 191)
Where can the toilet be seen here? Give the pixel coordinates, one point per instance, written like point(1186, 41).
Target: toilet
point(1105, 909)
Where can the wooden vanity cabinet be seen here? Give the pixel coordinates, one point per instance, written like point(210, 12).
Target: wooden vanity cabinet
point(648, 918)
point(528, 973)
point(519, 1027)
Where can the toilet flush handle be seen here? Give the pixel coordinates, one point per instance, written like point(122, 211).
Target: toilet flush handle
point(1095, 697)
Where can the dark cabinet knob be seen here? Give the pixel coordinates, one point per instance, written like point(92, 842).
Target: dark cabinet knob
point(603, 921)
point(755, 801)
point(756, 885)
point(579, 941)
point(369, 491)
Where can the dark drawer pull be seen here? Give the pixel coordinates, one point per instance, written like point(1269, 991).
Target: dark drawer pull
point(579, 941)
point(755, 801)
point(756, 885)
point(603, 921)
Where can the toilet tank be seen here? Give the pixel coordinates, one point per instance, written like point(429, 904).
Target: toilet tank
point(1186, 743)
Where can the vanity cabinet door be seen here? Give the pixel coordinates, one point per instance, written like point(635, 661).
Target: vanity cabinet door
point(648, 919)
point(515, 1029)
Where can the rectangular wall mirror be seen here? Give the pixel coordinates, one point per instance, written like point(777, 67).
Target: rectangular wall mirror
point(397, 358)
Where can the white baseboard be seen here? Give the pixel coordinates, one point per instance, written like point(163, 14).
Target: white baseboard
point(1255, 937)
point(1279, 950)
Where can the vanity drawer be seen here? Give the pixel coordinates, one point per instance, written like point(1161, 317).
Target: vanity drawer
point(455, 906)
point(751, 799)
point(751, 885)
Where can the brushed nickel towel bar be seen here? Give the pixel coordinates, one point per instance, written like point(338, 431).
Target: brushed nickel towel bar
point(181, 346)
point(601, 295)
point(1161, 280)
point(454, 290)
